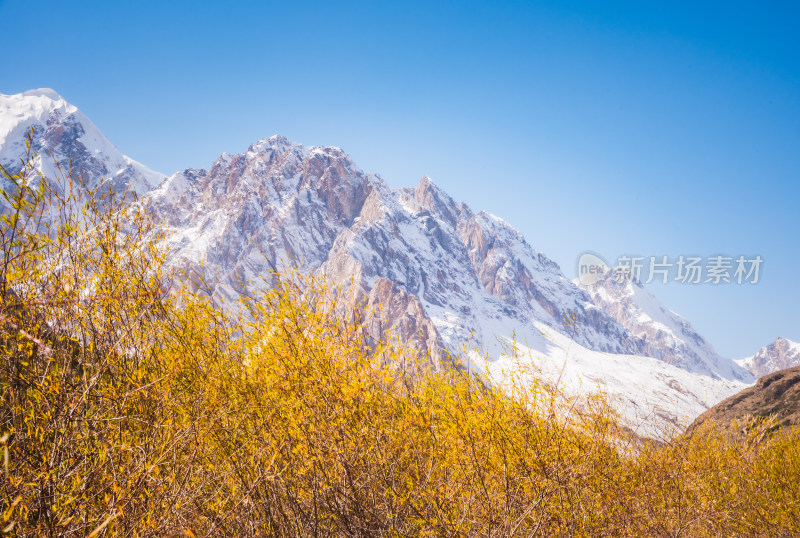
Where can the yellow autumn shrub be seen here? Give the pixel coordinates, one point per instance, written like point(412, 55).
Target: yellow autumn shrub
point(133, 407)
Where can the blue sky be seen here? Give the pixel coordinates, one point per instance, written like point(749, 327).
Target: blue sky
point(668, 130)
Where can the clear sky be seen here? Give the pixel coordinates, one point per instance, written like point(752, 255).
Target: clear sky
point(666, 130)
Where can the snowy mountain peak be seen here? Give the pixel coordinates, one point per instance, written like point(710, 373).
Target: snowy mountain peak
point(779, 355)
point(278, 148)
point(75, 142)
point(279, 139)
point(277, 143)
point(43, 92)
point(18, 112)
point(276, 205)
point(619, 281)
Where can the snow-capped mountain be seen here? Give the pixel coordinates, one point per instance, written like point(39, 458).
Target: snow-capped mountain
point(444, 276)
point(779, 355)
point(666, 335)
point(281, 204)
point(75, 142)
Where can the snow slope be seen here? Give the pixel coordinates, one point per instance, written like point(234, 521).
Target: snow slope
point(655, 399)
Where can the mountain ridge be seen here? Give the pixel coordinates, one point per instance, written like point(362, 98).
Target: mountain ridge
point(324, 214)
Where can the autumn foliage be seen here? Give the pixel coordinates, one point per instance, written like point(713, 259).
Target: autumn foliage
point(133, 407)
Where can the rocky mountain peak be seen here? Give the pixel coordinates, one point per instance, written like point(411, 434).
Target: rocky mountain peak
point(780, 354)
point(619, 283)
point(277, 144)
point(431, 198)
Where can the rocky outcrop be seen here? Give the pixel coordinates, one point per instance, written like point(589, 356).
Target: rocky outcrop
point(394, 315)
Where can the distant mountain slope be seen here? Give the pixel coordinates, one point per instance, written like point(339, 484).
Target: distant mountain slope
point(655, 399)
point(666, 335)
point(778, 355)
point(775, 394)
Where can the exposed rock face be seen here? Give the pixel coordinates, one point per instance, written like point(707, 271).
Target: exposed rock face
point(459, 274)
point(64, 138)
point(394, 312)
point(664, 334)
point(779, 355)
point(776, 394)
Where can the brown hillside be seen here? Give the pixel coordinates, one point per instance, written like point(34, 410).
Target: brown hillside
point(775, 395)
